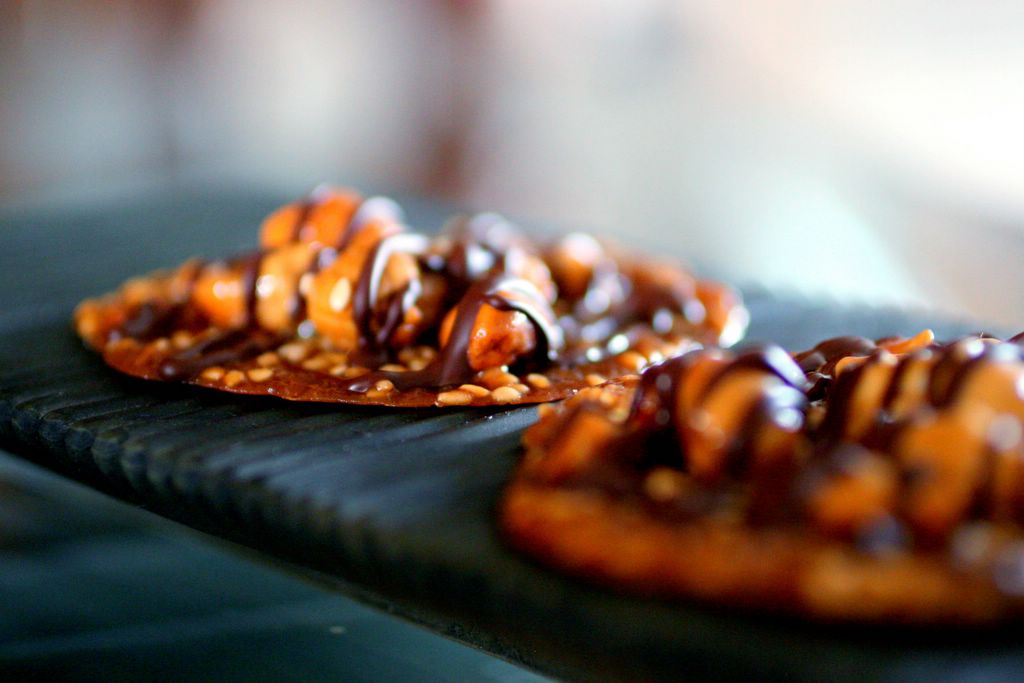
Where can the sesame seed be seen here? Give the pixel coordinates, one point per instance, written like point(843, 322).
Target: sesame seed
point(392, 367)
point(492, 378)
point(664, 484)
point(181, 339)
point(505, 395)
point(305, 284)
point(340, 295)
point(474, 389)
point(293, 352)
point(454, 398)
point(267, 359)
point(212, 374)
point(594, 379)
point(384, 385)
point(88, 324)
point(260, 374)
point(521, 388)
point(632, 360)
point(233, 377)
point(316, 363)
point(538, 380)
point(376, 394)
point(132, 343)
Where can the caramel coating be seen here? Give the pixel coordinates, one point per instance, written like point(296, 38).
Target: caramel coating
point(728, 413)
point(277, 287)
point(583, 439)
point(111, 317)
point(724, 312)
point(573, 261)
point(858, 493)
point(498, 337)
point(597, 280)
point(332, 293)
point(220, 293)
point(321, 220)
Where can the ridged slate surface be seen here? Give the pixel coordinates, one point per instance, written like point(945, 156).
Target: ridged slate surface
point(397, 506)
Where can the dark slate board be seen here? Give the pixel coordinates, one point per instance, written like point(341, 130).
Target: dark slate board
point(93, 590)
point(395, 507)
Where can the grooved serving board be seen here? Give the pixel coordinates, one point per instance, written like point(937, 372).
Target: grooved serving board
point(396, 505)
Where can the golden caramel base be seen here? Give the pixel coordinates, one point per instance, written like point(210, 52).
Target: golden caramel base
point(592, 535)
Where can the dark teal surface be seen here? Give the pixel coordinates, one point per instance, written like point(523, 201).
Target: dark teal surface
point(92, 590)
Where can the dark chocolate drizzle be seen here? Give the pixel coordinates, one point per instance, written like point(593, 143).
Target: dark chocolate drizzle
point(306, 207)
point(369, 210)
point(839, 401)
point(481, 244)
point(451, 365)
point(374, 333)
point(961, 360)
point(823, 357)
point(892, 392)
point(655, 404)
point(820, 362)
point(297, 305)
point(613, 301)
point(949, 373)
point(607, 291)
point(250, 276)
point(767, 358)
point(152, 320)
point(225, 346)
point(149, 321)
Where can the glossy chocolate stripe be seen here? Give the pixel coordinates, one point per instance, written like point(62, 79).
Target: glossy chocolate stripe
point(368, 287)
point(152, 319)
point(451, 366)
point(823, 357)
point(218, 349)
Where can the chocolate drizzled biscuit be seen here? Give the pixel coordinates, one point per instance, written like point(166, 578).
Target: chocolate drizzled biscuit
point(343, 303)
point(860, 480)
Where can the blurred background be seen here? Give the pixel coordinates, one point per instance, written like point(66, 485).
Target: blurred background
point(864, 150)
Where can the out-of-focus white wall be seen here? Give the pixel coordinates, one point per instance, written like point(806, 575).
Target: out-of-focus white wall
point(849, 147)
point(863, 149)
point(80, 97)
point(278, 92)
point(299, 91)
